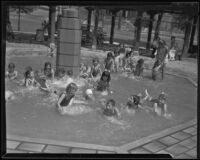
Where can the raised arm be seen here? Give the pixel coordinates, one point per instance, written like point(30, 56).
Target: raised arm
point(60, 100)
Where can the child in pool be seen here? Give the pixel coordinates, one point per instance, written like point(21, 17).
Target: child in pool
point(85, 71)
point(89, 95)
point(117, 60)
point(60, 73)
point(41, 82)
point(109, 62)
point(111, 110)
point(66, 99)
point(29, 78)
point(95, 69)
point(135, 102)
point(48, 71)
point(139, 68)
point(11, 73)
point(159, 104)
point(104, 84)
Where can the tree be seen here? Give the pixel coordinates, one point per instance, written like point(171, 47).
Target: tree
point(152, 14)
point(114, 12)
point(190, 10)
point(22, 9)
point(119, 19)
point(157, 30)
point(138, 25)
point(95, 28)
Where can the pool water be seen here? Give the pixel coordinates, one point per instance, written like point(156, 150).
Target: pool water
point(34, 114)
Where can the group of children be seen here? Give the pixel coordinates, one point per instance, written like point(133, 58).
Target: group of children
point(102, 80)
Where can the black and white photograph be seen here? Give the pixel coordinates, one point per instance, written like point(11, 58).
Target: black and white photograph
point(103, 78)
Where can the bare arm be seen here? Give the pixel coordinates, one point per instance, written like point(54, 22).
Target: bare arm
point(60, 100)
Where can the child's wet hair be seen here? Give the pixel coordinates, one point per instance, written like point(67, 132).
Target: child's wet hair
point(47, 64)
point(162, 96)
point(11, 65)
point(135, 99)
point(28, 71)
point(111, 101)
point(109, 54)
point(107, 74)
point(70, 87)
point(140, 61)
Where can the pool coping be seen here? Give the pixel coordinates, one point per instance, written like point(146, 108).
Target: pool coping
point(119, 149)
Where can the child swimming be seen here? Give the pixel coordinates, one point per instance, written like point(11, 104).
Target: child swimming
point(11, 73)
point(29, 78)
point(104, 84)
point(111, 110)
point(135, 102)
point(139, 68)
point(66, 99)
point(48, 71)
point(159, 105)
point(109, 62)
point(67, 105)
point(85, 71)
point(95, 69)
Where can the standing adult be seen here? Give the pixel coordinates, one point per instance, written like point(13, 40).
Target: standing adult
point(160, 62)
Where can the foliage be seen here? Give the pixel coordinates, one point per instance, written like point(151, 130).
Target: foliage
point(23, 9)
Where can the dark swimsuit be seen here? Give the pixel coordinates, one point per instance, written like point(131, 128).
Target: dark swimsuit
point(109, 112)
point(134, 105)
point(65, 102)
point(48, 73)
point(108, 64)
point(102, 86)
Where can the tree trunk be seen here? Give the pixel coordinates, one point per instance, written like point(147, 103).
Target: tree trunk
point(150, 31)
point(53, 16)
point(188, 30)
point(139, 29)
point(112, 27)
point(49, 23)
point(19, 19)
point(94, 44)
point(119, 20)
point(157, 30)
point(193, 32)
point(89, 19)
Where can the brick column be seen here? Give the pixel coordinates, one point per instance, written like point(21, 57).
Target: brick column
point(69, 41)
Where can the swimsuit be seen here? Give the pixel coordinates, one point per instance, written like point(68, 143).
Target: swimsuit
point(109, 112)
point(102, 86)
point(65, 102)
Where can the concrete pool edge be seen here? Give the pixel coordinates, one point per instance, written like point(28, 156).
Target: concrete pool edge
point(119, 149)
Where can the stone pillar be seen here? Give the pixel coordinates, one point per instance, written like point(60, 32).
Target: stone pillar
point(69, 41)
